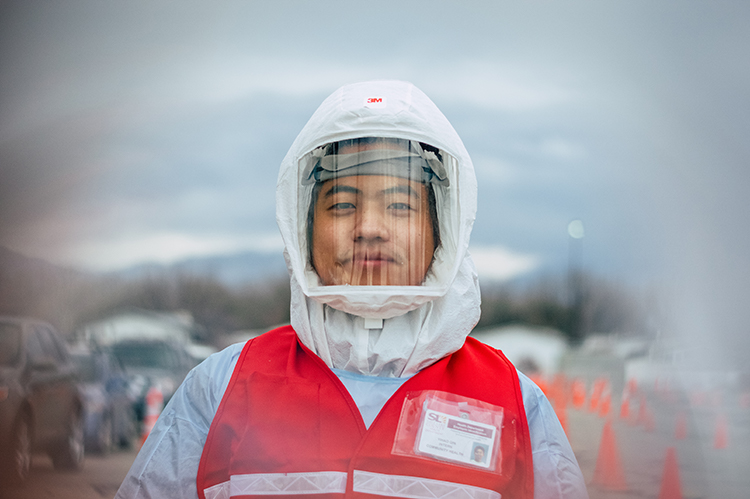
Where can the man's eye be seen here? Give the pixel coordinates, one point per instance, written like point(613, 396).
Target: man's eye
point(341, 206)
point(400, 206)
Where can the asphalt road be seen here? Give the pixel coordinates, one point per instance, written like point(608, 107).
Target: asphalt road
point(100, 478)
point(705, 471)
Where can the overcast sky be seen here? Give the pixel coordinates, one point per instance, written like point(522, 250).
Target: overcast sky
point(152, 131)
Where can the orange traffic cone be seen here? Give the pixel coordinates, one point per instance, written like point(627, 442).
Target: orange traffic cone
point(720, 436)
point(680, 430)
point(154, 405)
point(579, 393)
point(608, 472)
point(557, 389)
point(643, 411)
point(670, 479)
point(540, 382)
point(632, 386)
point(625, 407)
point(604, 405)
point(596, 393)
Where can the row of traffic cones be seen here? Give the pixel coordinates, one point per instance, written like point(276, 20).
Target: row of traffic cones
point(601, 400)
point(721, 430)
point(609, 475)
point(644, 417)
point(609, 472)
point(702, 397)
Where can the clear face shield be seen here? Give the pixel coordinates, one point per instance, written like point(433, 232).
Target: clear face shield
point(377, 212)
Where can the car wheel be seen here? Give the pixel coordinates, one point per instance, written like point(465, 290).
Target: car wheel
point(69, 455)
point(104, 435)
point(18, 460)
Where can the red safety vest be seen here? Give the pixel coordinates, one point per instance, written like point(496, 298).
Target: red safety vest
point(287, 426)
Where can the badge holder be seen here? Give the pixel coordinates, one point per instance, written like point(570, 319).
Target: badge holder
point(451, 428)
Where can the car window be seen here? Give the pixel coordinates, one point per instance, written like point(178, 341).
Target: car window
point(155, 355)
point(51, 344)
point(47, 343)
point(10, 344)
point(34, 349)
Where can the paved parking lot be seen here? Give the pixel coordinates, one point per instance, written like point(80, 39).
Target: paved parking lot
point(705, 471)
point(100, 478)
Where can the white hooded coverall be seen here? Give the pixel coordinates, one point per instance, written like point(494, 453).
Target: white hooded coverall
point(420, 324)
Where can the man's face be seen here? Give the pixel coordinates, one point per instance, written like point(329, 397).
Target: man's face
point(479, 454)
point(371, 230)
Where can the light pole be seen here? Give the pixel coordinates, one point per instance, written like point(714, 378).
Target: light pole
point(575, 275)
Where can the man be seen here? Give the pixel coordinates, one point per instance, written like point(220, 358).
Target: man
point(374, 388)
point(479, 454)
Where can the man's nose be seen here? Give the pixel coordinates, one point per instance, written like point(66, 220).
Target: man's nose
point(371, 225)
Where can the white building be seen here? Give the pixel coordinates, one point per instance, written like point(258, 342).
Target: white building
point(527, 347)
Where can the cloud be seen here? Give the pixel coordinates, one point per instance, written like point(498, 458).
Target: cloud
point(501, 264)
point(504, 87)
point(562, 149)
point(164, 247)
point(496, 171)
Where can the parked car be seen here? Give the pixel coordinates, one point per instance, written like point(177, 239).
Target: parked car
point(199, 352)
point(109, 418)
point(148, 362)
point(40, 406)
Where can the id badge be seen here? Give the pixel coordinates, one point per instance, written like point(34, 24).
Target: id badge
point(451, 428)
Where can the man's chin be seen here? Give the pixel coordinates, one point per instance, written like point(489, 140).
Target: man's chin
point(367, 280)
point(380, 274)
point(377, 281)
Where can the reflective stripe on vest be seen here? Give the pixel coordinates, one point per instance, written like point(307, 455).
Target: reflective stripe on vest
point(276, 484)
point(288, 484)
point(415, 487)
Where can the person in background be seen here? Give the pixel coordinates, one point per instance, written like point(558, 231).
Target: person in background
point(375, 388)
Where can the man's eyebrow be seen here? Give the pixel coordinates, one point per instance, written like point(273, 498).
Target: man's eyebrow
point(335, 189)
point(396, 189)
point(401, 189)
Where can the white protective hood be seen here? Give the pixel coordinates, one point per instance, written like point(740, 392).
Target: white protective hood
point(421, 324)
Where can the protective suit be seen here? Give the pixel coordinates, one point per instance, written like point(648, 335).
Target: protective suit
point(372, 328)
point(421, 323)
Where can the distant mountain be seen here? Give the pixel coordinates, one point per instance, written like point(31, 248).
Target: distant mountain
point(233, 270)
point(35, 287)
point(15, 265)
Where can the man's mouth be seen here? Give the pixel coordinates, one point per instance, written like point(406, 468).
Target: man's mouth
point(372, 258)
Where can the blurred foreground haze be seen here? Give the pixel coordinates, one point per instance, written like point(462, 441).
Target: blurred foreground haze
point(139, 134)
point(135, 132)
